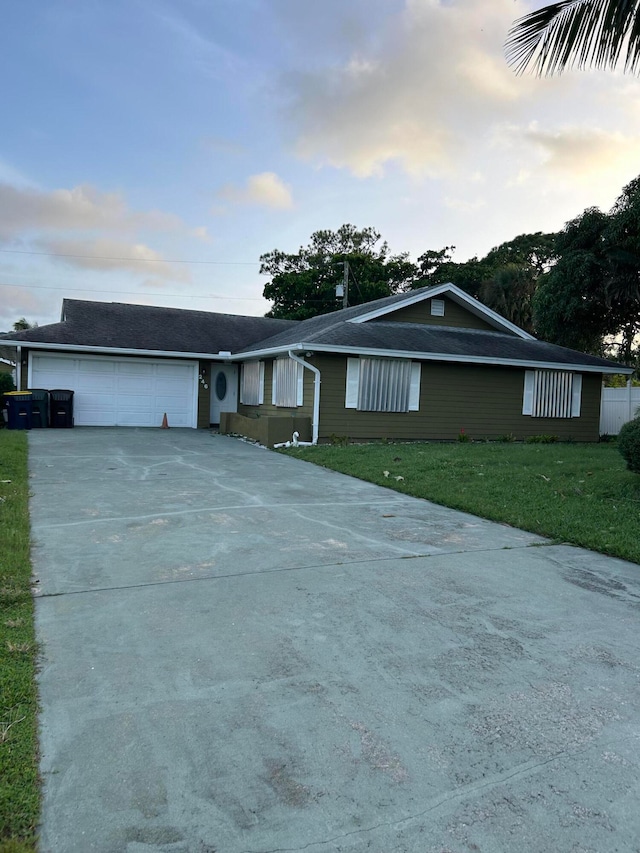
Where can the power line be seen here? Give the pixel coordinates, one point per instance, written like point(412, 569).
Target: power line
point(136, 260)
point(136, 292)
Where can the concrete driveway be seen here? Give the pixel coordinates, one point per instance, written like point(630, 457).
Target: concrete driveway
point(243, 652)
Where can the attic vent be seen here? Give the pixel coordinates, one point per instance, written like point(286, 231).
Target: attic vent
point(437, 307)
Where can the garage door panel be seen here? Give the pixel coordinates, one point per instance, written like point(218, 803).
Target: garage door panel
point(93, 366)
point(53, 364)
point(94, 416)
point(171, 404)
point(171, 387)
point(122, 392)
point(87, 384)
point(136, 385)
point(178, 371)
point(137, 369)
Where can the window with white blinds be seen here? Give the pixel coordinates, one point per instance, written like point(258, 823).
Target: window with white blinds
point(252, 383)
point(287, 390)
point(552, 394)
point(382, 385)
point(437, 307)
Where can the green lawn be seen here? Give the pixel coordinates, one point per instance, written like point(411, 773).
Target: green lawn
point(19, 782)
point(577, 493)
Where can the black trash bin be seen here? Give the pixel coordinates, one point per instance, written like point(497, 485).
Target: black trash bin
point(39, 407)
point(18, 405)
point(60, 408)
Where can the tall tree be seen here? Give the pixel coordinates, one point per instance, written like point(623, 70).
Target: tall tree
point(591, 298)
point(576, 33)
point(505, 279)
point(303, 284)
point(438, 267)
point(22, 325)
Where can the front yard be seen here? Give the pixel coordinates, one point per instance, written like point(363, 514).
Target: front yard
point(19, 783)
point(576, 493)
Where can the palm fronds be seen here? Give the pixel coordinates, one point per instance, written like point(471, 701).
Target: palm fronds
point(576, 34)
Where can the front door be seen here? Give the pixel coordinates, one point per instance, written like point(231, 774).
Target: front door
point(224, 390)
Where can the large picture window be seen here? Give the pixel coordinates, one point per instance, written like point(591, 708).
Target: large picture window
point(552, 394)
point(383, 385)
point(252, 383)
point(287, 388)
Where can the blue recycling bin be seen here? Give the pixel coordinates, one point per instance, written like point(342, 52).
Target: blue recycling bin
point(19, 409)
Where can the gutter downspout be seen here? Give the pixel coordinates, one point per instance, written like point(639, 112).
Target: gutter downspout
point(19, 368)
point(316, 396)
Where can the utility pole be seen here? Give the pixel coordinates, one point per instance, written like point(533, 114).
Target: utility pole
point(345, 293)
point(342, 290)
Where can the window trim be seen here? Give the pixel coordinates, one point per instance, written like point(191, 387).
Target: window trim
point(533, 382)
point(352, 387)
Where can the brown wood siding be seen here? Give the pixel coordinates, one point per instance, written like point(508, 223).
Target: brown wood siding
point(204, 395)
point(454, 315)
point(267, 408)
point(485, 401)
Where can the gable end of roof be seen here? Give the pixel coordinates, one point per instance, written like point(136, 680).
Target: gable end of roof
point(457, 295)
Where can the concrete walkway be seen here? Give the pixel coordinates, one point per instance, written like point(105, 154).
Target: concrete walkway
point(243, 652)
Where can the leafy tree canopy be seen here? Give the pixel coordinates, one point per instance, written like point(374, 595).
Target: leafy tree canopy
point(22, 325)
point(590, 299)
point(304, 284)
point(505, 279)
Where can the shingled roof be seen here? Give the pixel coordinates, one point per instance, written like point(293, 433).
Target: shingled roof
point(444, 343)
point(148, 328)
point(141, 328)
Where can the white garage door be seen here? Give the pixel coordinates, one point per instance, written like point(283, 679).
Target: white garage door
point(122, 391)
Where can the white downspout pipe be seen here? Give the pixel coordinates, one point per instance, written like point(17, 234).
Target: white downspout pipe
point(316, 396)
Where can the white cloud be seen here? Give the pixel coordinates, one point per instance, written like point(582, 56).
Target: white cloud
point(105, 255)
point(421, 98)
point(579, 151)
point(17, 302)
point(265, 190)
point(201, 233)
point(81, 208)
point(465, 205)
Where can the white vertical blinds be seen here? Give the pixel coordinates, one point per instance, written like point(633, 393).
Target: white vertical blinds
point(552, 394)
point(252, 383)
point(384, 385)
point(287, 385)
point(352, 383)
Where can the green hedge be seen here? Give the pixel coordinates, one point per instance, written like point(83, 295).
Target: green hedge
point(629, 444)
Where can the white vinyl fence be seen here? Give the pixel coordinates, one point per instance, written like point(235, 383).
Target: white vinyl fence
point(619, 405)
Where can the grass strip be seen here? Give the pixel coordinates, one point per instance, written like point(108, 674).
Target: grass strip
point(19, 779)
point(576, 493)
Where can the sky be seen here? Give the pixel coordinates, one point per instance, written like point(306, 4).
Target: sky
point(152, 150)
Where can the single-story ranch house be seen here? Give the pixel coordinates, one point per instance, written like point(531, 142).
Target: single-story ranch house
point(419, 365)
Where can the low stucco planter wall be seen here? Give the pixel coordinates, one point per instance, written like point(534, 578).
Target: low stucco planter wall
point(268, 430)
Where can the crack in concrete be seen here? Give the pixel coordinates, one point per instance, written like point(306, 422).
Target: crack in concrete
point(405, 552)
point(452, 796)
point(338, 565)
point(203, 509)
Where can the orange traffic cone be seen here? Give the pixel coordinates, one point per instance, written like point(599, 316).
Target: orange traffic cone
point(165, 425)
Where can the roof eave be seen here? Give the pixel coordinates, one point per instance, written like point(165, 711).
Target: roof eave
point(127, 351)
point(433, 356)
